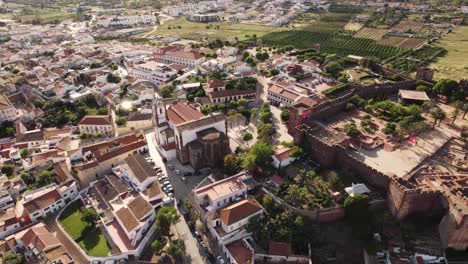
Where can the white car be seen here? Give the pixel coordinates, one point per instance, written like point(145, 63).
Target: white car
point(168, 200)
point(168, 189)
point(162, 178)
point(171, 167)
point(178, 172)
point(165, 183)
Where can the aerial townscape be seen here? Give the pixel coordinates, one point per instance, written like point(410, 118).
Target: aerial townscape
point(234, 131)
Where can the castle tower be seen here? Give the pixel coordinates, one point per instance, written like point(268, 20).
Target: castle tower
point(159, 110)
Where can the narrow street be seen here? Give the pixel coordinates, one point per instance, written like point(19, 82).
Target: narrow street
point(181, 191)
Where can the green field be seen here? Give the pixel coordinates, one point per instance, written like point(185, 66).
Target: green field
point(454, 65)
point(93, 242)
point(217, 30)
point(331, 42)
point(43, 16)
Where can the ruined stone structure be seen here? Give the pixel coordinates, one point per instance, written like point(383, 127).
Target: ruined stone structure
point(438, 185)
point(425, 74)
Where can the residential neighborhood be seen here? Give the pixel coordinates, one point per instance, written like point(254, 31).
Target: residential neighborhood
point(283, 131)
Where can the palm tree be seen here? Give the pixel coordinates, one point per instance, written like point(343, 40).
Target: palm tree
point(438, 114)
point(455, 114)
point(427, 106)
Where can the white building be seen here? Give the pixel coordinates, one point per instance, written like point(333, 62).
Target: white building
point(127, 21)
point(98, 124)
point(177, 55)
point(7, 110)
point(155, 72)
point(278, 95)
point(136, 172)
point(49, 199)
point(281, 158)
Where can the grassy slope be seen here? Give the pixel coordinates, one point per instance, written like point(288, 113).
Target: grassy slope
point(454, 65)
point(227, 30)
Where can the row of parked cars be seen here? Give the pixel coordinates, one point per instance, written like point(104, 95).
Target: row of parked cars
point(164, 181)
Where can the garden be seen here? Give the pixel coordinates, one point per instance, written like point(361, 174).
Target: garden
point(81, 226)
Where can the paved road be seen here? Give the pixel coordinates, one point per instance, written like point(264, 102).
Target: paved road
point(181, 191)
point(70, 246)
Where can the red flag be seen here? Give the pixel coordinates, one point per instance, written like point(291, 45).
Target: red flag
point(304, 116)
point(412, 139)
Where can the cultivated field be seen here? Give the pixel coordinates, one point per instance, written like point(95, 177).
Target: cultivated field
point(402, 42)
point(353, 26)
point(371, 33)
point(43, 16)
point(217, 30)
point(321, 22)
point(454, 65)
point(407, 24)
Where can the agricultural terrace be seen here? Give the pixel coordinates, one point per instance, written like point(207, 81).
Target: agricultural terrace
point(454, 64)
point(332, 42)
point(87, 235)
point(416, 58)
point(216, 30)
point(371, 33)
point(402, 42)
point(322, 22)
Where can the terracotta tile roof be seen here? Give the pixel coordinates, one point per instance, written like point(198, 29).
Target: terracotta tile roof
point(189, 55)
point(4, 102)
point(117, 183)
point(153, 190)
point(280, 249)
point(240, 252)
point(179, 113)
point(203, 121)
point(215, 83)
point(96, 120)
point(120, 151)
point(233, 92)
point(126, 217)
point(277, 180)
point(125, 140)
point(283, 92)
point(30, 136)
point(238, 211)
point(107, 192)
point(139, 117)
point(62, 171)
point(30, 235)
point(282, 154)
point(141, 169)
point(42, 200)
point(140, 207)
point(8, 217)
point(307, 101)
point(177, 67)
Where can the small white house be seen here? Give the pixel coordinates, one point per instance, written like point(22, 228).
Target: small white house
point(281, 158)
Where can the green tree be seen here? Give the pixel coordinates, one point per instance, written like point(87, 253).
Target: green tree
point(120, 121)
point(13, 258)
point(167, 91)
point(438, 114)
point(165, 217)
point(267, 202)
point(158, 245)
point(333, 68)
point(247, 136)
point(445, 87)
point(89, 216)
point(454, 114)
point(8, 170)
point(45, 177)
point(351, 130)
point(176, 248)
point(24, 153)
point(259, 154)
point(232, 164)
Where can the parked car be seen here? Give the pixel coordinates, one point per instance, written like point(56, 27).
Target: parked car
point(210, 257)
point(197, 172)
point(171, 167)
point(168, 200)
point(184, 179)
point(162, 177)
point(203, 246)
point(178, 172)
point(220, 260)
point(156, 168)
point(197, 235)
point(166, 183)
point(168, 189)
point(187, 173)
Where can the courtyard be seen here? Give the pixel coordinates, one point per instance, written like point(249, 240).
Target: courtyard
point(91, 240)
